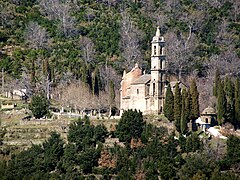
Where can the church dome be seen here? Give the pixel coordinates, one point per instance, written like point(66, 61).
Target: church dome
point(209, 110)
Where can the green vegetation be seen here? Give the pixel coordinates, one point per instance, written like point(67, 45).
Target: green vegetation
point(229, 92)
point(42, 40)
point(237, 103)
point(217, 80)
point(39, 106)
point(157, 155)
point(227, 100)
point(221, 103)
point(233, 150)
point(130, 126)
point(184, 113)
point(194, 100)
point(177, 107)
point(169, 104)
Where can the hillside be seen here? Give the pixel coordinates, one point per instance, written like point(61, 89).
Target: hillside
point(135, 150)
point(49, 43)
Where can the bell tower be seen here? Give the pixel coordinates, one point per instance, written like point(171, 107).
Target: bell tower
point(158, 73)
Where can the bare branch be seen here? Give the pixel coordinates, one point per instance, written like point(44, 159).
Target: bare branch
point(36, 36)
point(129, 43)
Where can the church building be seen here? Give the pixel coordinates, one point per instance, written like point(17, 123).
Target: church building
point(146, 92)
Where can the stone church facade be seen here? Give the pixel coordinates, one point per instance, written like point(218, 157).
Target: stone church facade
point(146, 92)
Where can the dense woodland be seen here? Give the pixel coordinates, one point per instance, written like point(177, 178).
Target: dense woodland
point(47, 45)
point(149, 152)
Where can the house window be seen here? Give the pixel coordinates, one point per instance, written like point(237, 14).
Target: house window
point(137, 91)
point(206, 120)
point(161, 50)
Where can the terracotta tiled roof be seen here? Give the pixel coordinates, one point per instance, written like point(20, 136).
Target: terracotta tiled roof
point(209, 110)
point(142, 79)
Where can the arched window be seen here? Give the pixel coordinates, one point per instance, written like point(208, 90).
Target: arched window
point(153, 88)
point(206, 120)
point(154, 50)
point(137, 91)
point(147, 89)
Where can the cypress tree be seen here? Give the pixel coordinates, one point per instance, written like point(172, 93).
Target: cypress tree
point(229, 91)
point(46, 69)
point(169, 104)
point(177, 107)
point(31, 56)
point(111, 97)
point(221, 104)
point(184, 114)
point(237, 103)
point(188, 106)
point(216, 82)
point(112, 93)
point(194, 100)
point(33, 74)
point(84, 74)
point(95, 81)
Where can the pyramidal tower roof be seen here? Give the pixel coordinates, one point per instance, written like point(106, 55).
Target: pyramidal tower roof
point(158, 32)
point(158, 36)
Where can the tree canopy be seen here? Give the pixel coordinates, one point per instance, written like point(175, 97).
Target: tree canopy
point(130, 125)
point(39, 106)
point(169, 104)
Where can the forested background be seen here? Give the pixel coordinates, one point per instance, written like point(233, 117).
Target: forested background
point(68, 49)
point(47, 44)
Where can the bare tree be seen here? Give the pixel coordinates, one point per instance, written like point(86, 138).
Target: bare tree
point(171, 5)
point(205, 89)
point(148, 5)
point(78, 95)
point(130, 42)
point(107, 74)
point(227, 62)
point(56, 10)
point(180, 50)
point(7, 14)
point(236, 9)
point(87, 47)
point(36, 36)
point(161, 19)
point(216, 3)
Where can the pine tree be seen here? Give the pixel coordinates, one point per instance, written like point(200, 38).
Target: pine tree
point(194, 100)
point(237, 103)
point(184, 115)
point(130, 126)
point(39, 106)
point(169, 104)
point(177, 107)
point(221, 104)
point(216, 82)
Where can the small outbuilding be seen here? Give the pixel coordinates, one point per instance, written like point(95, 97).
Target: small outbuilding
point(207, 118)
